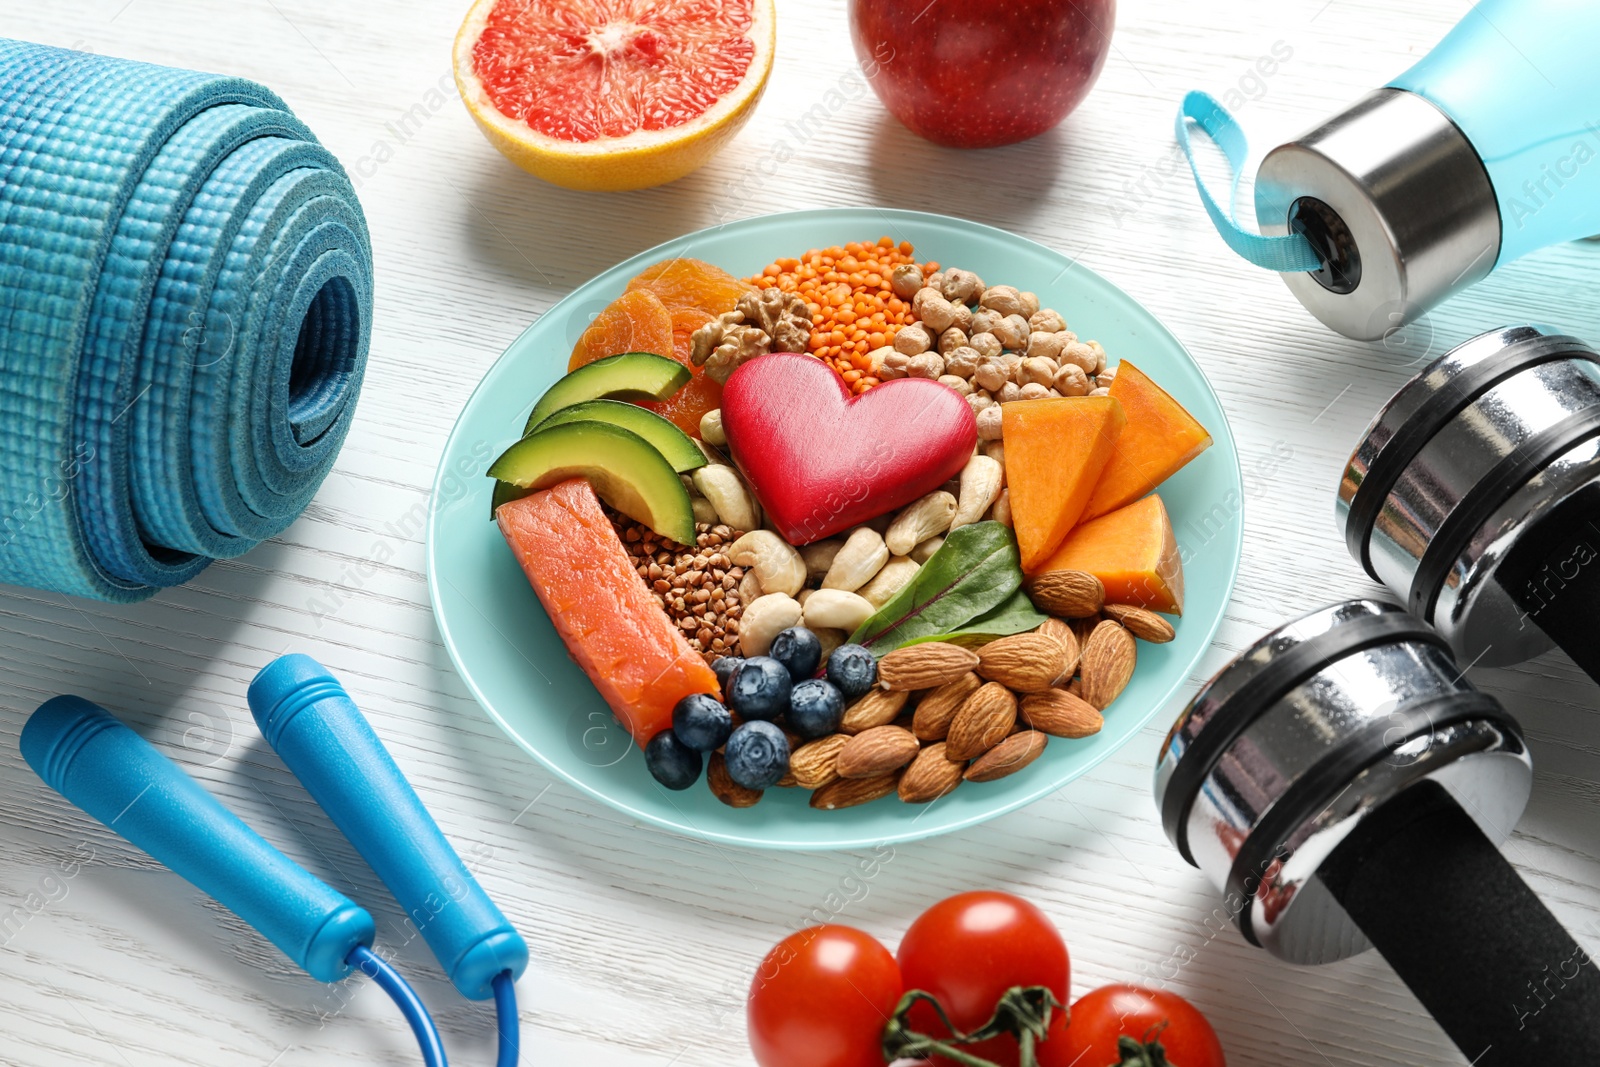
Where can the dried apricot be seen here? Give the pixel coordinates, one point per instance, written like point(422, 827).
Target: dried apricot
point(691, 283)
point(685, 407)
point(685, 321)
point(637, 321)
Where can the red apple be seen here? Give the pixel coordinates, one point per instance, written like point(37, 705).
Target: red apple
point(980, 73)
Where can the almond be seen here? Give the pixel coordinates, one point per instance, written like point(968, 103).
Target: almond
point(933, 715)
point(981, 722)
point(931, 775)
point(1069, 641)
point(1027, 663)
point(878, 708)
point(1067, 594)
point(1082, 628)
point(1142, 623)
point(1108, 661)
point(925, 666)
point(1062, 713)
point(848, 792)
point(812, 764)
point(876, 752)
point(1008, 757)
point(1075, 687)
point(725, 788)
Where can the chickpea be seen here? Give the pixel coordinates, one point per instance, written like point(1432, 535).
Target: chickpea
point(1070, 380)
point(961, 286)
point(979, 399)
point(1030, 303)
point(927, 365)
point(991, 374)
point(1034, 391)
point(1004, 299)
point(962, 360)
point(1012, 331)
point(989, 424)
point(1009, 392)
point(984, 320)
point(905, 280)
point(986, 344)
point(1038, 371)
point(951, 339)
point(956, 382)
point(913, 340)
point(1047, 321)
point(1078, 353)
point(1046, 345)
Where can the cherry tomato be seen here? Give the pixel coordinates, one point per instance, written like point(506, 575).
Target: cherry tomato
point(821, 999)
point(1102, 1015)
point(970, 949)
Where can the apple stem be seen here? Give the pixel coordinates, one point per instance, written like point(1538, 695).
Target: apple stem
point(1022, 1011)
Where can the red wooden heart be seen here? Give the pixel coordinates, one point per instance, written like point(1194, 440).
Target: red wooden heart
point(821, 461)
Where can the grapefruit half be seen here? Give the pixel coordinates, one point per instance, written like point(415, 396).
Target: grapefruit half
point(613, 94)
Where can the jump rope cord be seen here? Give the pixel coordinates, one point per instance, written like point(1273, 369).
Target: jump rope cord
point(405, 998)
point(416, 1013)
point(506, 1021)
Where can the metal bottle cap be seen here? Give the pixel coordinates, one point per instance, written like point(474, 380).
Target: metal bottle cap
point(1395, 199)
point(1460, 467)
point(1308, 731)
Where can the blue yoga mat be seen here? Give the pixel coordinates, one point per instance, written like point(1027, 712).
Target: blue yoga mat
point(185, 307)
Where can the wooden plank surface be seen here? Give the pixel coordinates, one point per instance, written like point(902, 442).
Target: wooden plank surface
point(644, 943)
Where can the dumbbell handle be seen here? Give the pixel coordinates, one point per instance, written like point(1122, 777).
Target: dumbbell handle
point(324, 739)
point(1481, 952)
point(1553, 575)
point(118, 777)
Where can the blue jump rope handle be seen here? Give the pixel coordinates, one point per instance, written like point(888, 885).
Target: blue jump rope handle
point(310, 720)
point(118, 777)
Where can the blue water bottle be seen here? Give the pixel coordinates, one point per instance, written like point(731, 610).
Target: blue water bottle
point(1484, 151)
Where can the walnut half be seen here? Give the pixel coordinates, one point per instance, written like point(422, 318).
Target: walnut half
point(724, 343)
point(782, 316)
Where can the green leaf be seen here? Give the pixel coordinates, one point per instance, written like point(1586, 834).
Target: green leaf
point(976, 570)
point(1014, 615)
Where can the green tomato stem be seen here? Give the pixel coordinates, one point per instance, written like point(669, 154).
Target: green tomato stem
point(1022, 1011)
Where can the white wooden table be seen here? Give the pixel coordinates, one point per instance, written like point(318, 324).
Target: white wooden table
point(644, 943)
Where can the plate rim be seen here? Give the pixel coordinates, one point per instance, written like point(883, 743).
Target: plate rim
point(678, 246)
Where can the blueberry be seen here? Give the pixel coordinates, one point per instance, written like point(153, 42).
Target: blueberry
point(757, 755)
point(815, 708)
point(853, 670)
point(760, 690)
point(701, 722)
point(725, 668)
point(798, 649)
point(671, 762)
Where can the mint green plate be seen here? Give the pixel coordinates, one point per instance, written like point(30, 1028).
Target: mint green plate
point(508, 653)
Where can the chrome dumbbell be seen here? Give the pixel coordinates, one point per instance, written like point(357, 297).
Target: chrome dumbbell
point(1475, 497)
point(1345, 787)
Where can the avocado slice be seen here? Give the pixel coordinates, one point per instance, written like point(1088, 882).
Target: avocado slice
point(670, 441)
point(629, 376)
point(625, 470)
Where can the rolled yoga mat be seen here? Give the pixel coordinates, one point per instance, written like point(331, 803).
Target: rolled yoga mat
point(185, 307)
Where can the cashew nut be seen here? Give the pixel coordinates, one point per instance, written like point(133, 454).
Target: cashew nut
point(819, 556)
point(895, 576)
point(1002, 508)
point(749, 587)
point(996, 450)
point(704, 511)
point(924, 552)
point(862, 556)
point(980, 488)
point(837, 609)
point(830, 639)
point(763, 619)
point(721, 484)
point(920, 520)
point(776, 562)
point(711, 428)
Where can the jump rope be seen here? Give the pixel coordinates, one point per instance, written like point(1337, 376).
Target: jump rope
point(113, 774)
